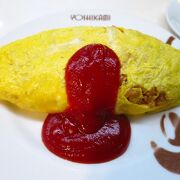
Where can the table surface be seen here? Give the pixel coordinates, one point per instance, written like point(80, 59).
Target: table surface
point(16, 12)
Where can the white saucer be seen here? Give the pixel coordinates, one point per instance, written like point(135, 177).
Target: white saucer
point(173, 16)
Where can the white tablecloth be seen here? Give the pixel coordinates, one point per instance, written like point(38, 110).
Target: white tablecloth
point(16, 12)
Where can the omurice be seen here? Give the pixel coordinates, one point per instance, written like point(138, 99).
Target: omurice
point(33, 69)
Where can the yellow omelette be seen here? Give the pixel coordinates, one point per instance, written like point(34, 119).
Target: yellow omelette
point(32, 69)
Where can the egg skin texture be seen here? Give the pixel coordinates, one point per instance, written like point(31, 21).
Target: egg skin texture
point(33, 69)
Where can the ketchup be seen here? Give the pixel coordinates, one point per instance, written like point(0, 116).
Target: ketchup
point(88, 131)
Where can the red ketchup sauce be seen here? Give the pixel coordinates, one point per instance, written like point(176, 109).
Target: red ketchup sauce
point(88, 131)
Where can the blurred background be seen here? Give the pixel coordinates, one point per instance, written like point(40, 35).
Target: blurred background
point(16, 12)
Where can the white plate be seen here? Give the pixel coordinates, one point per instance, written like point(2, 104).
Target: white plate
point(22, 153)
point(173, 16)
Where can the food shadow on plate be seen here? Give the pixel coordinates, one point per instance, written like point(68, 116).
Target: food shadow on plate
point(144, 118)
point(38, 116)
point(28, 115)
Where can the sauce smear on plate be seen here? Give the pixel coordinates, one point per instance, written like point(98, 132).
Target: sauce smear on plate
point(88, 131)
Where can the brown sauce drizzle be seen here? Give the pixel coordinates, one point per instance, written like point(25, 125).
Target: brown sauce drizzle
point(170, 40)
point(167, 159)
point(162, 124)
point(175, 120)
